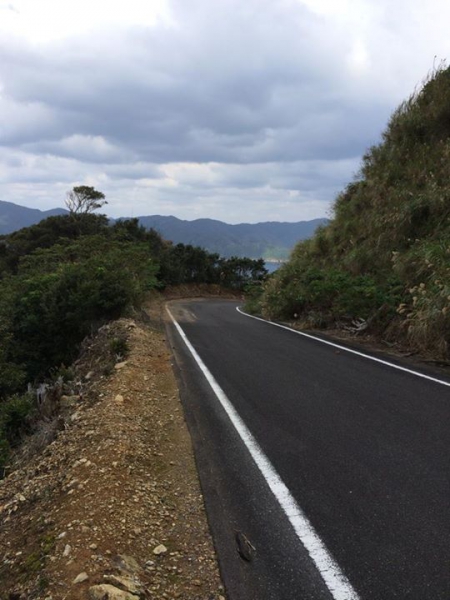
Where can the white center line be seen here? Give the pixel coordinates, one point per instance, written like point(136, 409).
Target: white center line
point(335, 580)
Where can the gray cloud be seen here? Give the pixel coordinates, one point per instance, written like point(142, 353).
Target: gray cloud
point(281, 100)
point(218, 90)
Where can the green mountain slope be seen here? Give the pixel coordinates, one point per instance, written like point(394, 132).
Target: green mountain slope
point(385, 256)
point(271, 240)
point(267, 240)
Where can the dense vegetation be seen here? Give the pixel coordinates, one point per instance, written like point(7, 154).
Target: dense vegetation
point(385, 256)
point(67, 275)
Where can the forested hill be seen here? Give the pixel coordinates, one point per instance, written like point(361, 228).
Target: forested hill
point(66, 276)
point(267, 240)
point(385, 256)
point(260, 240)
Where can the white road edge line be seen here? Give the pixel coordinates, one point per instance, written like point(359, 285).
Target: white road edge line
point(335, 580)
point(317, 339)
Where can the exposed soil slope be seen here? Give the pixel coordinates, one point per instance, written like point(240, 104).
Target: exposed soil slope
point(114, 500)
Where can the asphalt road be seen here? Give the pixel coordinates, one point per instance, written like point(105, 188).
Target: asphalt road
point(363, 449)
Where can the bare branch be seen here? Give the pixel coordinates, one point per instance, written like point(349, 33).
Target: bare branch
point(84, 199)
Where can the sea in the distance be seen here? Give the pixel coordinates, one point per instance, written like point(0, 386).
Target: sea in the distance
point(272, 266)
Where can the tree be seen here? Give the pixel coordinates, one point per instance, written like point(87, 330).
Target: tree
point(84, 199)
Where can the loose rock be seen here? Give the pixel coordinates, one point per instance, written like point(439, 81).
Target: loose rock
point(120, 365)
point(109, 592)
point(81, 577)
point(127, 584)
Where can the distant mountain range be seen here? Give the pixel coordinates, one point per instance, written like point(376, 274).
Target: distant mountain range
point(271, 240)
point(14, 217)
point(267, 240)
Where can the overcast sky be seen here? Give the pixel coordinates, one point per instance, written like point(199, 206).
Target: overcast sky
point(239, 110)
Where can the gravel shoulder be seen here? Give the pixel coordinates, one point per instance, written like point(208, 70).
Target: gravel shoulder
point(113, 505)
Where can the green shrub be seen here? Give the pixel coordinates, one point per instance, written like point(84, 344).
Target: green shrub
point(14, 418)
point(5, 450)
point(59, 294)
point(253, 296)
point(119, 346)
point(63, 373)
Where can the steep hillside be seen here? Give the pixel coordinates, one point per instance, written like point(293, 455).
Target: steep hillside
point(385, 256)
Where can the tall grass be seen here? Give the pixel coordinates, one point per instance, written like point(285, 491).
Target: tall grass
point(385, 255)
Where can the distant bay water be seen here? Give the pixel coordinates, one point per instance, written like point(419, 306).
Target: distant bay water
point(273, 266)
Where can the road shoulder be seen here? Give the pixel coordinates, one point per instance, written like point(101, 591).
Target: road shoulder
point(115, 498)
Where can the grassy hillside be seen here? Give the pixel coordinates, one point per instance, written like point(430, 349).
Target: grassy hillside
point(385, 256)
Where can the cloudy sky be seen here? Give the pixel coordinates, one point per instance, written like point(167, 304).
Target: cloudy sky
point(239, 110)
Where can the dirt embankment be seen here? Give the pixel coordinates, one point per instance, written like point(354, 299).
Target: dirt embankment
point(112, 508)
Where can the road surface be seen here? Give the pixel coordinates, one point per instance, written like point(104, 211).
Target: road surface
point(362, 448)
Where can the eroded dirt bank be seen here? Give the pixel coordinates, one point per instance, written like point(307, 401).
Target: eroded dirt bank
point(112, 508)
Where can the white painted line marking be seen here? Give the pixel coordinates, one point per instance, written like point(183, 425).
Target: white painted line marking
point(335, 580)
point(317, 339)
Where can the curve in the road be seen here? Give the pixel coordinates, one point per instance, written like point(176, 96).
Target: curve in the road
point(335, 580)
point(361, 444)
